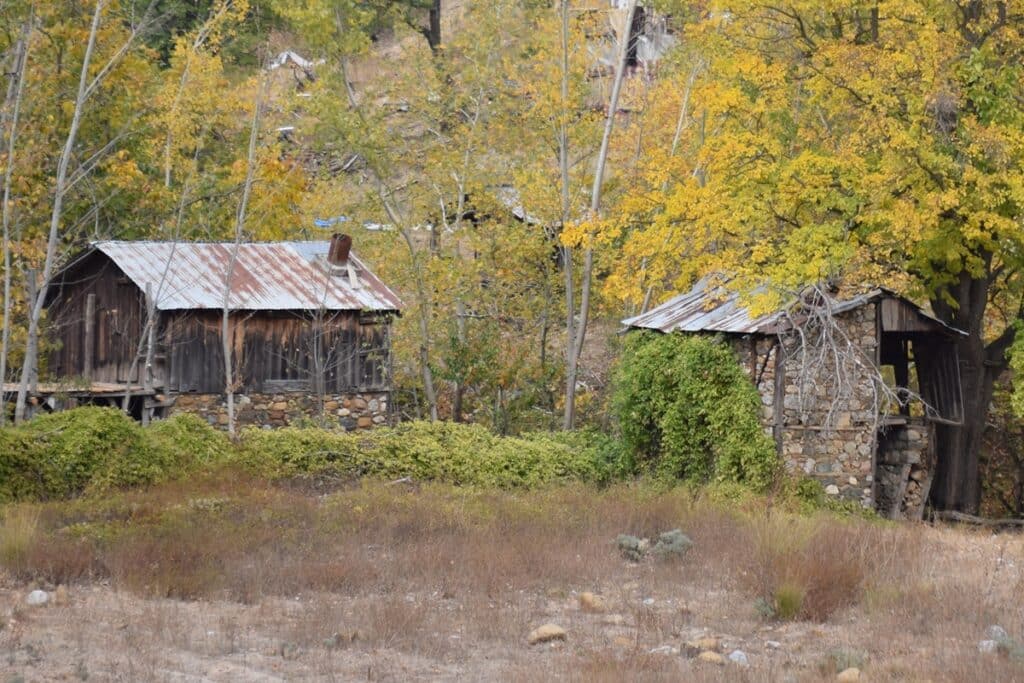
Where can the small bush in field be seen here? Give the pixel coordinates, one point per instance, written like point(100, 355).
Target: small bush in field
point(788, 602)
point(809, 568)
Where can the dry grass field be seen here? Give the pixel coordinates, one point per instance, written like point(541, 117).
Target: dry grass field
point(227, 578)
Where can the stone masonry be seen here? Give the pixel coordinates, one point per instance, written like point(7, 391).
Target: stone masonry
point(349, 411)
point(904, 468)
point(837, 450)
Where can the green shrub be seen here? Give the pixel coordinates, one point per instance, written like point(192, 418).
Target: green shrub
point(461, 454)
point(687, 411)
point(294, 451)
point(789, 602)
point(62, 455)
point(183, 442)
point(806, 495)
point(22, 474)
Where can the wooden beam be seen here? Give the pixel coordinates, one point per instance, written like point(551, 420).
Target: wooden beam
point(90, 336)
point(147, 370)
point(954, 516)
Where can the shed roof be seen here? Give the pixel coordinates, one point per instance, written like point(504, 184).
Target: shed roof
point(711, 307)
point(266, 276)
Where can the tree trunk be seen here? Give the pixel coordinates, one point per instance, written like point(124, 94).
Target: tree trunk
point(28, 366)
point(14, 97)
point(957, 483)
point(227, 335)
point(576, 341)
point(460, 383)
point(563, 169)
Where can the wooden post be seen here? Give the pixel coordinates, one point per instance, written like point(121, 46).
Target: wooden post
point(147, 370)
point(33, 378)
point(901, 373)
point(90, 339)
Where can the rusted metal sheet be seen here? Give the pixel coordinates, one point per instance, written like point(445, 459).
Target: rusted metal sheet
point(283, 276)
point(711, 307)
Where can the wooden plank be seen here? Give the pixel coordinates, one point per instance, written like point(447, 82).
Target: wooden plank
point(897, 316)
point(90, 339)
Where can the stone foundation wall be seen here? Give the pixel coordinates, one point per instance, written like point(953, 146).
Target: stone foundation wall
point(904, 470)
point(837, 449)
point(348, 411)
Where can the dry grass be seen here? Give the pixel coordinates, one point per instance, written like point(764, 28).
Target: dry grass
point(808, 568)
point(18, 533)
point(392, 583)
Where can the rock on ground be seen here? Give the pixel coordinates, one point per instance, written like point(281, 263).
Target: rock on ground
point(711, 658)
point(996, 633)
point(706, 644)
point(738, 657)
point(546, 633)
point(848, 675)
point(37, 598)
point(589, 602)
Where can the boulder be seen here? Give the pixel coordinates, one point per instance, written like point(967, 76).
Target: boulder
point(589, 602)
point(996, 632)
point(545, 634)
point(711, 658)
point(988, 646)
point(848, 675)
point(739, 657)
point(37, 598)
point(707, 644)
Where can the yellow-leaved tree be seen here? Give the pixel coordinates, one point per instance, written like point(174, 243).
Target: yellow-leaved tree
point(874, 141)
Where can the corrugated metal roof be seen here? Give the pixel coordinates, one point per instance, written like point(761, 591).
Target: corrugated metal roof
point(266, 276)
point(710, 307)
point(705, 308)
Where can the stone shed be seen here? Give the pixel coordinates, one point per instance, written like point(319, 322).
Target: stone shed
point(852, 385)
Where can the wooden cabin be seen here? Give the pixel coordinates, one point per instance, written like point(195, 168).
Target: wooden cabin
point(856, 395)
point(308, 324)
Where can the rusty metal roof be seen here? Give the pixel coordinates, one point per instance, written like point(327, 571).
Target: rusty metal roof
point(711, 307)
point(266, 276)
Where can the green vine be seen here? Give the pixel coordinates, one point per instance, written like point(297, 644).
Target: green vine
point(687, 411)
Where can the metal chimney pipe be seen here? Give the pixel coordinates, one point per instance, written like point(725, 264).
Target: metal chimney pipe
point(341, 245)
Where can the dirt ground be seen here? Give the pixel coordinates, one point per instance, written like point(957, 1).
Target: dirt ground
point(411, 618)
